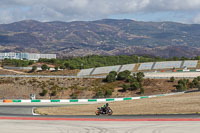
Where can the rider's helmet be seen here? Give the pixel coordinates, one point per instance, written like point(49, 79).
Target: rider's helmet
point(107, 104)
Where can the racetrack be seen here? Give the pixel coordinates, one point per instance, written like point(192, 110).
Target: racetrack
point(31, 126)
point(19, 119)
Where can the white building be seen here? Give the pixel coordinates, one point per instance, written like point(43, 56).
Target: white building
point(26, 56)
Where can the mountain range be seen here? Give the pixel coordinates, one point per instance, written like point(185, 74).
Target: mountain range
point(101, 37)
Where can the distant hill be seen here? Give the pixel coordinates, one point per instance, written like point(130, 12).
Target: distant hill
point(102, 37)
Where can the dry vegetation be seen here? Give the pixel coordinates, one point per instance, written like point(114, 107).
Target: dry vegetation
point(177, 104)
point(68, 88)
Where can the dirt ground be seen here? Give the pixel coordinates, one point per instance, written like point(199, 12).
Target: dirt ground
point(177, 104)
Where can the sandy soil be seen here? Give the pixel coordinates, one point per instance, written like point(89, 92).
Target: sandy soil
point(177, 104)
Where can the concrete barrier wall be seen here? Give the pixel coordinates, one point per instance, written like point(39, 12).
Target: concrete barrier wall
point(83, 100)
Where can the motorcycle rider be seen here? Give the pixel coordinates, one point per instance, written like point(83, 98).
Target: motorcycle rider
point(104, 108)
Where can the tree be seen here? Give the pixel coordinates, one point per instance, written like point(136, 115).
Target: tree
point(34, 68)
point(182, 85)
point(56, 68)
point(62, 67)
point(140, 76)
point(44, 67)
point(111, 77)
point(123, 75)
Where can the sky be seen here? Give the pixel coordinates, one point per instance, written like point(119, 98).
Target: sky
point(183, 11)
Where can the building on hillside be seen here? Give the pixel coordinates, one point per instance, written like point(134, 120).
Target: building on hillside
point(26, 56)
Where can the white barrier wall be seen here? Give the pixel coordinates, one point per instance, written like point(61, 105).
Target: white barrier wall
point(129, 67)
point(168, 64)
point(146, 66)
point(84, 72)
point(104, 70)
point(190, 64)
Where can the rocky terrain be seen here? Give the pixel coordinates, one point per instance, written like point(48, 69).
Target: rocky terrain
point(102, 37)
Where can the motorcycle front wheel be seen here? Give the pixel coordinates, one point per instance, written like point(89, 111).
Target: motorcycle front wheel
point(110, 112)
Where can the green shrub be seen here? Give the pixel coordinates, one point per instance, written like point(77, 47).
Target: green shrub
point(100, 94)
point(141, 90)
point(54, 93)
point(108, 92)
point(44, 67)
point(111, 77)
point(44, 92)
point(135, 85)
point(172, 79)
point(125, 87)
point(123, 75)
point(34, 68)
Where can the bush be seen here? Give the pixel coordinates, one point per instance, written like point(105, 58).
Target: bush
point(140, 76)
point(62, 67)
point(56, 68)
point(195, 82)
point(44, 67)
point(141, 90)
point(125, 87)
point(43, 93)
point(34, 68)
point(111, 77)
point(182, 85)
point(135, 85)
point(172, 79)
point(100, 94)
point(123, 75)
point(54, 93)
point(108, 93)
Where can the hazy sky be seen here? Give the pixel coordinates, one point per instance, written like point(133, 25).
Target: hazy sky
point(185, 11)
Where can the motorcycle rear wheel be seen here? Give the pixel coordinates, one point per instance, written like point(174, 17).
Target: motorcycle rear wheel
point(97, 112)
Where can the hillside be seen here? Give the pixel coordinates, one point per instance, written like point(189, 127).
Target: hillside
point(102, 37)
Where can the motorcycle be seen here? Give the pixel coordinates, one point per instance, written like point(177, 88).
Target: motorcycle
point(100, 111)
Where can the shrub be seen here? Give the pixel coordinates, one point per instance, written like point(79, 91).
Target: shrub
point(181, 87)
point(135, 85)
point(54, 93)
point(125, 87)
point(56, 68)
point(100, 94)
point(44, 67)
point(195, 82)
point(140, 76)
point(34, 68)
point(111, 77)
point(172, 79)
point(108, 93)
point(123, 75)
point(141, 90)
point(62, 67)
point(44, 92)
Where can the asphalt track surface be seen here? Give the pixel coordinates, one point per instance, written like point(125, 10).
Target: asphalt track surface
point(19, 119)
